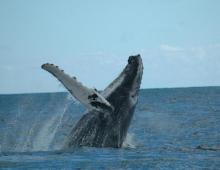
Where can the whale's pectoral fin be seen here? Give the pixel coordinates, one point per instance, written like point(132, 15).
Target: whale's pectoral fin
point(90, 98)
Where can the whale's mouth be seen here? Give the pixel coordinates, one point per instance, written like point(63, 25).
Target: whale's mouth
point(136, 59)
point(134, 66)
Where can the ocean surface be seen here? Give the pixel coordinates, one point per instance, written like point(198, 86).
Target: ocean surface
point(175, 128)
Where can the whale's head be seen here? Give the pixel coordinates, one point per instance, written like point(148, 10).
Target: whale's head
point(133, 75)
point(122, 94)
point(127, 84)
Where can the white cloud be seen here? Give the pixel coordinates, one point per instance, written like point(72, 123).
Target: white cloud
point(190, 54)
point(214, 46)
point(170, 48)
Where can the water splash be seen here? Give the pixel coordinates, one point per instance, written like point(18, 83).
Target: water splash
point(129, 141)
point(28, 142)
point(47, 133)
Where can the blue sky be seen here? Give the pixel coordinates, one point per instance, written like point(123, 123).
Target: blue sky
point(179, 42)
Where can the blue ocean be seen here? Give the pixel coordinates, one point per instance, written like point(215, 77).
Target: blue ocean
point(174, 128)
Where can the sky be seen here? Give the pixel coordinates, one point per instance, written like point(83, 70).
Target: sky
point(179, 42)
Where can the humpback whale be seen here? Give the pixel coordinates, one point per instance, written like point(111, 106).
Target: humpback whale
point(109, 112)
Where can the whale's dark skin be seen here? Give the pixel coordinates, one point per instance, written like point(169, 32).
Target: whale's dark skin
point(107, 125)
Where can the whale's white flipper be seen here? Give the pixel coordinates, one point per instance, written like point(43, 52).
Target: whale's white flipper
point(90, 98)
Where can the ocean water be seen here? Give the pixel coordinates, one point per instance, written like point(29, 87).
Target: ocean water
point(175, 128)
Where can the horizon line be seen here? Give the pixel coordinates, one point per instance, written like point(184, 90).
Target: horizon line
point(150, 88)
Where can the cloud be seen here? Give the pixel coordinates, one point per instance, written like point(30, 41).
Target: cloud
point(189, 54)
point(170, 48)
point(214, 46)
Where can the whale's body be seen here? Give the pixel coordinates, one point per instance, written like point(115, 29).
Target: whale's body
point(109, 113)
